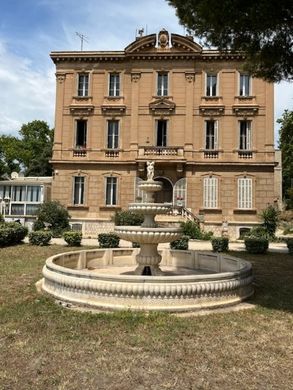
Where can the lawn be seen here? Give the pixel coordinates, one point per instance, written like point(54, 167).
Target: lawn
point(44, 346)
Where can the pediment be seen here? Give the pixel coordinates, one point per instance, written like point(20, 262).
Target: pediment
point(163, 105)
point(142, 44)
point(184, 44)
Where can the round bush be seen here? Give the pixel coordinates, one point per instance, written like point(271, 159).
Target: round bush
point(220, 244)
point(256, 245)
point(289, 242)
point(180, 244)
point(72, 238)
point(108, 240)
point(40, 237)
point(54, 214)
point(12, 233)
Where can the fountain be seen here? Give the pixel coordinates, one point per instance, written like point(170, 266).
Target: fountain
point(149, 235)
point(146, 278)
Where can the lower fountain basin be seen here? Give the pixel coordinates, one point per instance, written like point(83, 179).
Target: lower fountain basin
point(144, 235)
point(103, 279)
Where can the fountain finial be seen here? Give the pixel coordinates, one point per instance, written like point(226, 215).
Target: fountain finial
point(150, 170)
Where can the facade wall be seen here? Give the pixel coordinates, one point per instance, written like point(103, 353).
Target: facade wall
point(186, 109)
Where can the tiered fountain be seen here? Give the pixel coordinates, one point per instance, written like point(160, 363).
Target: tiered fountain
point(149, 235)
point(145, 278)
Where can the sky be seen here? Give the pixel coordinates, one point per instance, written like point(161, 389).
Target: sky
point(31, 29)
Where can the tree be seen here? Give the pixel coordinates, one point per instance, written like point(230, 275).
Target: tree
point(30, 153)
point(286, 146)
point(262, 29)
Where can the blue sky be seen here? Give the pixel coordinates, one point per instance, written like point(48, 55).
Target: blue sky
point(31, 29)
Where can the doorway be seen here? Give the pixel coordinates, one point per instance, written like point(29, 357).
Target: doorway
point(166, 195)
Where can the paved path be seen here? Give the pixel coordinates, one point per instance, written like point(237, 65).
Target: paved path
point(193, 244)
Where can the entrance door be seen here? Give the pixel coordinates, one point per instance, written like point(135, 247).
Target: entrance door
point(167, 191)
point(179, 193)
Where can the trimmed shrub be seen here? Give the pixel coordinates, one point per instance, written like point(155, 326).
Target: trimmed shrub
point(191, 229)
point(180, 244)
point(54, 214)
point(40, 237)
point(72, 238)
point(258, 232)
point(256, 245)
point(128, 218)
point(108, 240)
point(289, 242)
point(206, 235)
point(12, 233)
point(220, 244)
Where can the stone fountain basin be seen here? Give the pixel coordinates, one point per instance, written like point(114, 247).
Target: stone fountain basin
point(199, 280)
point(145, 235)
point(150, 208)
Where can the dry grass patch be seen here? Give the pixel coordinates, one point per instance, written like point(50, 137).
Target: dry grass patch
point(44, 346)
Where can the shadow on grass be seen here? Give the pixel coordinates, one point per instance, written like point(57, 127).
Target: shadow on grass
point(273, 279)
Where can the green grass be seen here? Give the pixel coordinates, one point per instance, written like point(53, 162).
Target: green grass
point(44, 346)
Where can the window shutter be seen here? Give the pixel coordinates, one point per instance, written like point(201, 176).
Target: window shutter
point(216, 135)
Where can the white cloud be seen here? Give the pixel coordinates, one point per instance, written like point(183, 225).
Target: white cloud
point(26, 93)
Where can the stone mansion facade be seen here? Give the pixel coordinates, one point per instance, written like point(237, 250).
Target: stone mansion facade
point(206, 124)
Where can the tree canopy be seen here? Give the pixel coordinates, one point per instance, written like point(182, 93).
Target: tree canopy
point(262, 29)
point(286, 146)
point(30, 153)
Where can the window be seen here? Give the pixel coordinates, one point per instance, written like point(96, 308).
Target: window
point(111, 191)
point(33, 194)
point(83, 84)
point(5, 192)
point(244, 193)
point(211, 85)
point(244, 89)
point(210, 192)
point(113, 134)
point(161, 133)
point(81, 133)
point(162, 84)
point(244, 135)
point(78, 190)
point(114, 84)
point(18, 193)
point(211, 135)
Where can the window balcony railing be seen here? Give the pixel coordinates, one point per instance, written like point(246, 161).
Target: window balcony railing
point(211, 154)
point(161, 151)
point(112, 153)
point(79, 152)
point(245, 154)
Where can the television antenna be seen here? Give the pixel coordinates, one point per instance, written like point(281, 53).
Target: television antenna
point(83, 38)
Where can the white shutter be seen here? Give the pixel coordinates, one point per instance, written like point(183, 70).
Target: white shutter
point(248, 135)
point(216, 135)
point(244, 193)
point(210, 192)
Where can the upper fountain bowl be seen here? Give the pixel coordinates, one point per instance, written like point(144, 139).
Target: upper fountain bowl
point(150, 186)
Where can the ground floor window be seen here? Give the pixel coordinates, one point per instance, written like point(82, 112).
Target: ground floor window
point(111, 191)
point(210, 192)
point(244, 193)
point(78, 190)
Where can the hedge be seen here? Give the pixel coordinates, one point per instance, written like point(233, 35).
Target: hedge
point(256, 245)
point(220, 244)
point(180, 244)
point(289, 242)
point(40, 237)
point(12, 233)
point(108, 240)
point(72, 238)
